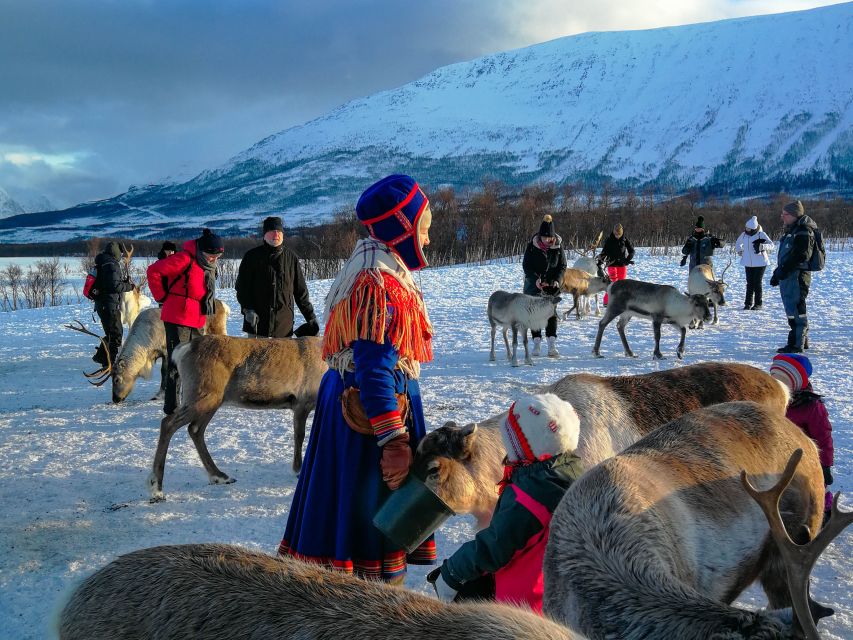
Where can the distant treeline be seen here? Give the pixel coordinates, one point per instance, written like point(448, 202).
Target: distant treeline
point(496, 221)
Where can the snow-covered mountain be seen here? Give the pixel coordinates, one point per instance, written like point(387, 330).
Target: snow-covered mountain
point(23, 202)
point(742, 107)
point(8, 205)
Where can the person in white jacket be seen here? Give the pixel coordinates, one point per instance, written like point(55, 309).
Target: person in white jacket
point(753, 246)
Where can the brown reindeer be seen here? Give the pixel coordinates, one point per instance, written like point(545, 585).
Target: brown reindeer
point(463, 465)
point(222, 592)
point(579, 283)
point(278, 373)
point(658, 541)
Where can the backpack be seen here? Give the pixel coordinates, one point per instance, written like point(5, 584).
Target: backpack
point(817, 259)
point(89, 290)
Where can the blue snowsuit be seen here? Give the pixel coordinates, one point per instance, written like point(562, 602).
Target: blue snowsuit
point(795, 248)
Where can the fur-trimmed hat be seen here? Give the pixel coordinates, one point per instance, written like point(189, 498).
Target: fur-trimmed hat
point(538, 427)
point(793, 369)
point(752, 223)
point(794, 208)
point(209, 242)
point(547, 227)
point(273, 223)
point(392, 209)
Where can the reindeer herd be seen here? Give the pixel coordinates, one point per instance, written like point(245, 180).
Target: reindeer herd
point(657, 539)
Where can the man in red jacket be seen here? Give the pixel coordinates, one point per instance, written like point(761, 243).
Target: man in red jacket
point(185, 285)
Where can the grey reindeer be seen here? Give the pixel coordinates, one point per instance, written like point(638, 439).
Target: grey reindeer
point(519, 312)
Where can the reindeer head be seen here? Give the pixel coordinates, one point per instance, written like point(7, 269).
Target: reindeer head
point(441, 460)
point(718, 287)
point(701, 307)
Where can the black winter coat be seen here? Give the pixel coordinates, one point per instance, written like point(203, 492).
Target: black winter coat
point(268, 282)
point(110, 281)
point(548, 265)
point(617, 252)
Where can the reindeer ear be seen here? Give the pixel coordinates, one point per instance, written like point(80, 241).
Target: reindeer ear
point(469, 435)
point(450, 424)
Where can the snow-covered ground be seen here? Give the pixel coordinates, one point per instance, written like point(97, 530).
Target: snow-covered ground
point(73, 465)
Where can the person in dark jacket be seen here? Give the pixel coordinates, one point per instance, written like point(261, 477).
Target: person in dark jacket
point(808, 412)
point(187, 297)
point(167, 249)
point(617, 253)
point(544, 264)
point(791, 276)
point(540, 434)
point(700, 246)
point(111, 282)
point(268, 282)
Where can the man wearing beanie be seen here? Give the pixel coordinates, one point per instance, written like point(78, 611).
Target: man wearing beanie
point(544, 264)
point(791, 274)
point(268, 282)
point(699, 246)
point(184, 284)
point(752, 246)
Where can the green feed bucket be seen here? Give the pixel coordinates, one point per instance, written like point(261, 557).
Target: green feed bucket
point(411, 514)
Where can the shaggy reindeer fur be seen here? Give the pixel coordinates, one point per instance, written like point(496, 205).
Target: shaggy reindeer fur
point(146, 342)
point(463, 465)
point(579, 283)
point(659, 540)
point(277, 373)
point(132, 302)
point(701, 282)
point(659, 303)
point(519, 312)
point(589, 265)
point(221, 592)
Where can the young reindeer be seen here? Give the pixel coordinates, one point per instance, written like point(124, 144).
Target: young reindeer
point(659, 303)
point(701, 282)
point(587, 263)
point(223, 592)
point(658, 541)
point(146, 342)
point(519, 312)
point(463, 465)
point(279, 373)
point(579, 283)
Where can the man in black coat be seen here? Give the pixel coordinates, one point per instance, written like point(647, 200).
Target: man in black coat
point(111, 282)
point(544, 264)
point(268, 282)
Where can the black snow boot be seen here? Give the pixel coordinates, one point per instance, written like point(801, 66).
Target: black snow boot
point(100, 355)
point(784, 348)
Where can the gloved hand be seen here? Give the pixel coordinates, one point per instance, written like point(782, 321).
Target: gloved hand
point(756, 244)
point(827, 475)
point(444, 591)
point(630, 262)
point(774, 279)
point(309, 328)
point(251, 318)
point(396, 460)
point(683, 260)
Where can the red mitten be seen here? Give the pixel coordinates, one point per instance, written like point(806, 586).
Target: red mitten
point(396, 460)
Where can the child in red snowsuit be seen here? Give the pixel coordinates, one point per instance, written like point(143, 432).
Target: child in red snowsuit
point(540, 434)
point(807, 410)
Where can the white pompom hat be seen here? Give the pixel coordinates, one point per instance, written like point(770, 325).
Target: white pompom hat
point(539, 427)
point(752, 223)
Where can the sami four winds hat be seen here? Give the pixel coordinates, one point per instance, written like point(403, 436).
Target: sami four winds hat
point(391, 210)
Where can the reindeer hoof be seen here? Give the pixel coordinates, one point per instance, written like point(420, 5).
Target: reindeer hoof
point(595, 354)
point(679, 355)
point(514, 363)
point(530, 362)
point(223, 479)
point(659, 356)
point(492, 358)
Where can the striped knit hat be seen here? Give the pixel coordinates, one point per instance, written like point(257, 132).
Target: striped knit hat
point(793, 369)
point(539, 427)
point(391, 210)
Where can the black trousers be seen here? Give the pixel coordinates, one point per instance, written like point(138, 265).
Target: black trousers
point(110, 316)
point(550, 329)
point(175, 335)
point(754, 279)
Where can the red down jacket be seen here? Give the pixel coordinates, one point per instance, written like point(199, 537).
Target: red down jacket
point(185, 278)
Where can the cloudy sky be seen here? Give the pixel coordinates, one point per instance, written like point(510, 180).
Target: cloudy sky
point(96, 95)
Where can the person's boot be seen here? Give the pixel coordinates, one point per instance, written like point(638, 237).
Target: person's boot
point(747, 304)
point(552, 347)
point(797, 343)
point(784, 348)
point(100, 356)
point(537, 347)
point(757, 306)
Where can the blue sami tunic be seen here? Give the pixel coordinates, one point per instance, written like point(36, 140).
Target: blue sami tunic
point(340, 486)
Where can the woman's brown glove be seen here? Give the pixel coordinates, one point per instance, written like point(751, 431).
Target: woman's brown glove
point(396, 460)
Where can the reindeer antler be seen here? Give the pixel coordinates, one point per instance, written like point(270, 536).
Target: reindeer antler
point(723, 274)
point(799, 559)
point(102, 374)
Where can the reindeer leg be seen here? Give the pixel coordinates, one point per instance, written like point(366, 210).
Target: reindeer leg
point(168, 426)
point(196, 430)
point(680, 351)
point(656, 324)
point(300, 417)
point(164, 372)
point(620, 327)
point(527, 358)
point(715, 314)
point(506, 344)
point(602, 324)
point(514, 359)
point(492, 350)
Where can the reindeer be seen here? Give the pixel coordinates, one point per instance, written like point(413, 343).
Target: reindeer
point(579, 283)
point(658, 541)
point(278, 373)
point(587, 263)
point(519, 312)
point(146, 342)
point(660, 303)
point(223, 592)
point(132, 303)
point(463, 465)
point(701, 282)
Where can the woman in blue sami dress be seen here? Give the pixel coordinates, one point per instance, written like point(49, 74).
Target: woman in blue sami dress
point(376, 335)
